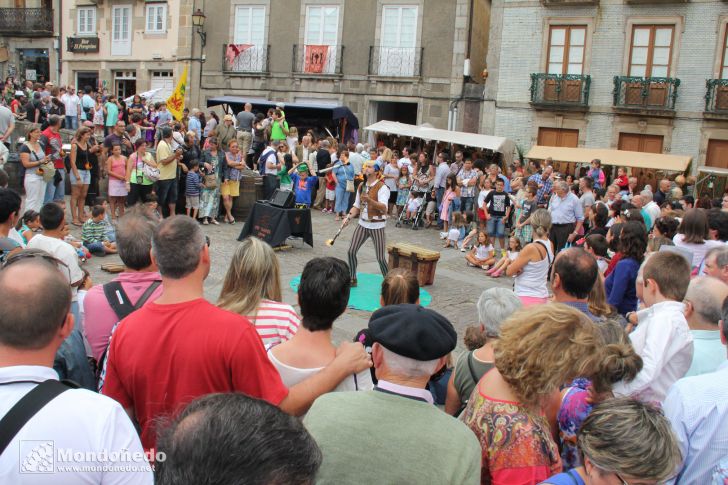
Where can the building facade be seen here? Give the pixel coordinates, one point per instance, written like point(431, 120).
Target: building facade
point(396, 60)
point(126, 46)
point(29, 39)
point(639, 75)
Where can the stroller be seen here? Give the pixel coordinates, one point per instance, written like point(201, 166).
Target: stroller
point(417, 220)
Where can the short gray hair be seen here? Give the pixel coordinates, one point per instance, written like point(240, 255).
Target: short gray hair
point(706, 295)
point(646, 196)
point(721, 255)
point(134, 239)
point(494, 307)
point(408, 367)
point(176, 246)
point(561, 184)
point(359, 147)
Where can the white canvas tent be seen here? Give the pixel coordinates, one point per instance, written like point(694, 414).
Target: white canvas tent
point(475, 140)
point(620, 158)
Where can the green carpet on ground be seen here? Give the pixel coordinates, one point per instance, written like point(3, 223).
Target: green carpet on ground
point(367, 292)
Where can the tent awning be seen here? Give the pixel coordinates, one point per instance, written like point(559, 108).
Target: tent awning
point(622, 158)
point(713, 170)
point(476, 140)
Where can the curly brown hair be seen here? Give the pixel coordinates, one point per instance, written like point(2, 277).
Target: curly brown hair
point(541, 348)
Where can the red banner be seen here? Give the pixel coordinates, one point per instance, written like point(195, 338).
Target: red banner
point(234, 50)
point(315, 58)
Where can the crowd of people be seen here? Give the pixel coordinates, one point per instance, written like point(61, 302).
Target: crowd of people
point(603, 364)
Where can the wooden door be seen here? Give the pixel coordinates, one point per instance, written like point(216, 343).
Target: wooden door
point(637, 142)
point(717, 154)
point(559, 137)
point(721, 98)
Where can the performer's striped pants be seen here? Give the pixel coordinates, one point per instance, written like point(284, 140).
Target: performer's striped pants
point(361, 234)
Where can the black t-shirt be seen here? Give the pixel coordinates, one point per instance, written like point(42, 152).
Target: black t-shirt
point(114, 139)
point(323, 158)
point(497, 203)
point(527, 208)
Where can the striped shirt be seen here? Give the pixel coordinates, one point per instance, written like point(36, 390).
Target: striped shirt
point(93, 231)
point(275, 322)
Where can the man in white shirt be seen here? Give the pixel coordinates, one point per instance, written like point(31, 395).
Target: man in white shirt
point(441, 173)
point(703, 312)
point(87, 104)
point(75, 427)
point(357, 159)
point(73, 108)
point(662, 338)
point(402, 162)
point(650, 206)
point(696, 407)
point(371, 201)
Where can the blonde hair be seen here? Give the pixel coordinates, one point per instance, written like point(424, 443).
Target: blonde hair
point(597, 301)
point(621, 362)
point(387, 155)
point(541, 222)
point(543, 347)
point(252, 276)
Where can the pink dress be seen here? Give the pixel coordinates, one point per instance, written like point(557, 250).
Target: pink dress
point(446, 200)
point(117, 188)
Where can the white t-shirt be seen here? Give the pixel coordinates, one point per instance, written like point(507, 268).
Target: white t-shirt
point(76, 422)
point(405, 162)
point(414, 204)
point(391, 182)
point(699, 250)
point(62, 251)
point(481, 197)
point(512, 255)
point(382, 197)
point(453, 234)
point(71, 102)
point(483, 252)
point(293, 375)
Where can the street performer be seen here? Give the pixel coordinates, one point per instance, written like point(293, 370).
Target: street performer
point(371, 204)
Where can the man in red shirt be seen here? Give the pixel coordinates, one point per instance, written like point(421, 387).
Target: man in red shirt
point(180, 346)
point(52, 144)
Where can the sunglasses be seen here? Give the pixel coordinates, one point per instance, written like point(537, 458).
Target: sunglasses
point(35, 253)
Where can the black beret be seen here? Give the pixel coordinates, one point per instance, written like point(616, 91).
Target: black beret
point(412, 331)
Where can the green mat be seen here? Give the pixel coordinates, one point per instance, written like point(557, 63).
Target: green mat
point(367, 292)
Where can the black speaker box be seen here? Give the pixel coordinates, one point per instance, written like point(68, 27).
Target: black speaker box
point(283, 198)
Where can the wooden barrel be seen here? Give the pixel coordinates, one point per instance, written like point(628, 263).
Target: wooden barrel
point(251, 190)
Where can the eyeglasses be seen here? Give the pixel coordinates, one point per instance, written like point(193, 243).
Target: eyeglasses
point(35, 253)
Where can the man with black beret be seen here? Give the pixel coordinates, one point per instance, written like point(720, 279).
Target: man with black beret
point(394, 433)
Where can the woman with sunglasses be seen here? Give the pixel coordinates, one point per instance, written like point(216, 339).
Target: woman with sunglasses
point(624, 442)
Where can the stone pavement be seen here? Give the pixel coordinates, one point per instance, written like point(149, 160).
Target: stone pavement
point(454, 293)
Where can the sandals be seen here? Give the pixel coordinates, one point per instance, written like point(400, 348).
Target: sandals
point(214, 221)
point(76, 223)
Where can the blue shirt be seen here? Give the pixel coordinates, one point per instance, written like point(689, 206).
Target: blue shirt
point(697, 408)
point(542, 192)
point(194, 125)
point(192, 187)
point(302, 188)
point(620, 285)
point(583, 307)
point(708, 352)
point(567, 210)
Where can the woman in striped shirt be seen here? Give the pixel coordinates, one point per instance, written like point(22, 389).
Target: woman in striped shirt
point(252, 288)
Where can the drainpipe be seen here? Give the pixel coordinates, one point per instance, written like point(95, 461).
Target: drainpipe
point(59, 49)
point(453, 112)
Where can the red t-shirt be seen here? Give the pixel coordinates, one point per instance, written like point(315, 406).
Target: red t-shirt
point(164, 356)
point(52, 144)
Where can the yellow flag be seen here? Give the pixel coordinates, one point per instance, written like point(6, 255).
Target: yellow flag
point(176, 102)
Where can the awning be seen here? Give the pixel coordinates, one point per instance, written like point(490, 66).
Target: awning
point(293, 110)
point(723, 172)
point(622, 158)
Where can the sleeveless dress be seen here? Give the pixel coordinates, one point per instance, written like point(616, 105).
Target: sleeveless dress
point(117, 188)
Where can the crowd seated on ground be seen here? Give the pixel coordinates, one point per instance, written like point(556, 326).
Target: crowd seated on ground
point(618, 310)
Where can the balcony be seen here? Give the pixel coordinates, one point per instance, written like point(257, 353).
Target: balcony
point(405, 62)
point(26, 22)
point(245, 58)
point(317, 60)
point(560, 91)
point(654, 96)
point(716, 98)
point(568, 3)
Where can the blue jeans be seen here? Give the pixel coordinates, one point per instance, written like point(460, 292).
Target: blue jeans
point(96, 247)
point(495, 227)
point(439, 194)
point(56, 193)
point(71, 122)
point(466, 203)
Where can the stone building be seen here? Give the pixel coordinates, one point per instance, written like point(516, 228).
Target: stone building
point(126, 46)
point(639, 75)
point(397, 60)
point(29, 39)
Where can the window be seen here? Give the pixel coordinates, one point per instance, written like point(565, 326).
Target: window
point(249, 25)
point(156, 18)
point(651, 50)
point(566, 49)
point(724, 63)
point(86, 21)
point(398, 53)
point(322, 25)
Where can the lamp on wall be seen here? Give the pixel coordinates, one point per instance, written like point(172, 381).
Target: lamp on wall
point(198, 20)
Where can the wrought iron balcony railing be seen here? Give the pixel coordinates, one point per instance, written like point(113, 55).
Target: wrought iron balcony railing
point(560, 90)
point(317, 59)
point(645, 92)
point(395, 61)
point(245, 58)
point(716, 96)
point(26, 22)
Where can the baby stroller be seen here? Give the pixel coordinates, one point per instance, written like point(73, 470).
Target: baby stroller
point(415, 221)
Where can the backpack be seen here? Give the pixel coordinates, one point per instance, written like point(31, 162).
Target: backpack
point(120, 303)
point(264, 159)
